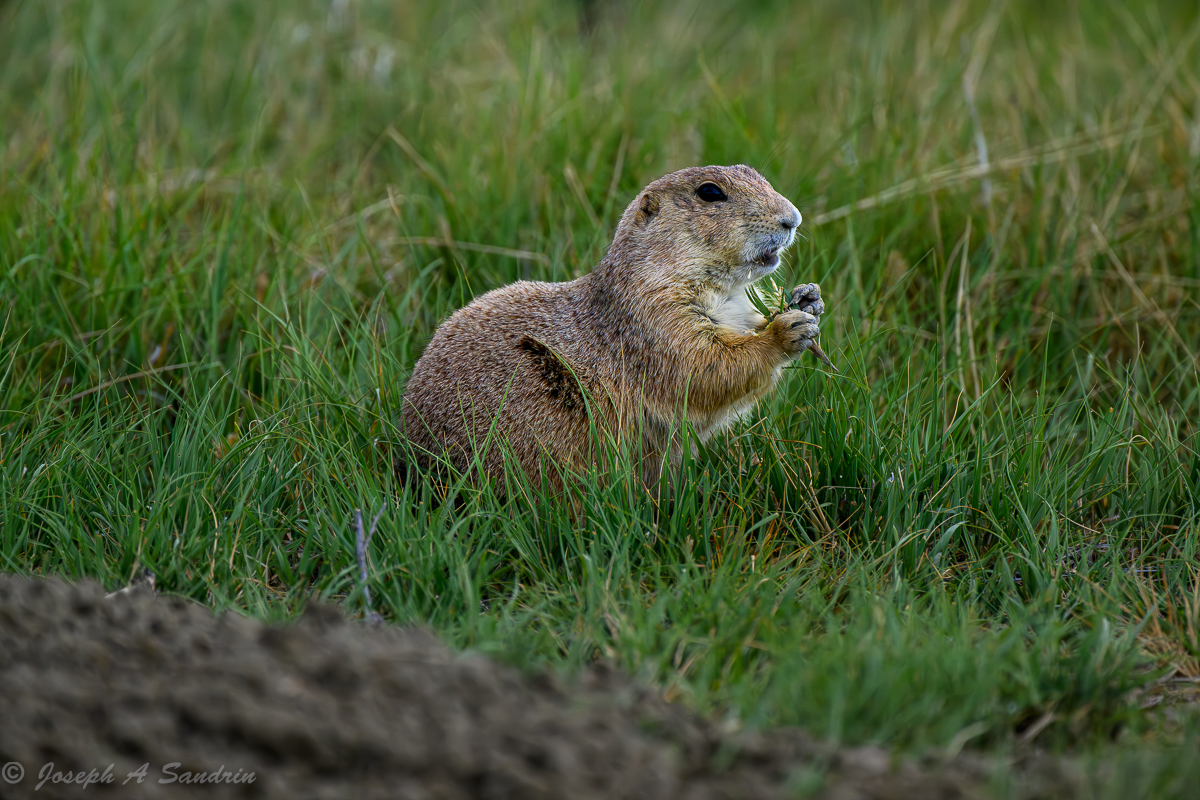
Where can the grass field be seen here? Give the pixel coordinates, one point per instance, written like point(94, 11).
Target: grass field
point(228, 228)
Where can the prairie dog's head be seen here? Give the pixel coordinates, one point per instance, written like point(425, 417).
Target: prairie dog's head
point(722, 227)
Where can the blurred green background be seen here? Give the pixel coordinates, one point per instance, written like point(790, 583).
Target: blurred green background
point(227, 230)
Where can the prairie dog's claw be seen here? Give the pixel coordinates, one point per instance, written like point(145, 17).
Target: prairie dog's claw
point(807, 298)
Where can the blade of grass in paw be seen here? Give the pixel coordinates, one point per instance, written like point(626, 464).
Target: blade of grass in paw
point(816, 350)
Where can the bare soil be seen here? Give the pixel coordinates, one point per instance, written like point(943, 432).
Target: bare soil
point(327, 707)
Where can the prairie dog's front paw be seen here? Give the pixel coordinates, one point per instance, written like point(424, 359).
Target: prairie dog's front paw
point(796, 331)
point(807, 298)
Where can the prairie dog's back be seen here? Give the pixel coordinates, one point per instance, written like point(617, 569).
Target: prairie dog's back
point(497, 370)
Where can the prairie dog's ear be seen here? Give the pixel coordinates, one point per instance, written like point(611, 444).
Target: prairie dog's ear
point(647, 208)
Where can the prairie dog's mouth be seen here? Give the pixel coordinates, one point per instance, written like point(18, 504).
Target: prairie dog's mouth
point(767, 258)
point(753, 268)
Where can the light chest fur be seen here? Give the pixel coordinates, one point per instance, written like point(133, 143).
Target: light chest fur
point(732, 310)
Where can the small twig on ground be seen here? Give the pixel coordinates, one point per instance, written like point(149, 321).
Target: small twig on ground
point(361, 542)
point(144, 581)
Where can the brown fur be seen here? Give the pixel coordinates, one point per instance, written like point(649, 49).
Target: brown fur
point(661, 324)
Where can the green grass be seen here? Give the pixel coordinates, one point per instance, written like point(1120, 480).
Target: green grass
point(219, 259)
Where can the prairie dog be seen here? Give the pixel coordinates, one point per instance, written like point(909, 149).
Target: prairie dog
point(659, 332)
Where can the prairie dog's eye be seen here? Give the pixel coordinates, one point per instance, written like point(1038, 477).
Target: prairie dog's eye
point(710, 193)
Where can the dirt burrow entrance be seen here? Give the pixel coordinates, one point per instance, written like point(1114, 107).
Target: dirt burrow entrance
point(326, 707)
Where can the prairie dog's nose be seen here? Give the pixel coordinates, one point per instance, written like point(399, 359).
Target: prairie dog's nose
point(790, 218)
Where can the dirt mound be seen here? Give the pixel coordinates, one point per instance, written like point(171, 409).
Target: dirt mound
point(326, 707)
